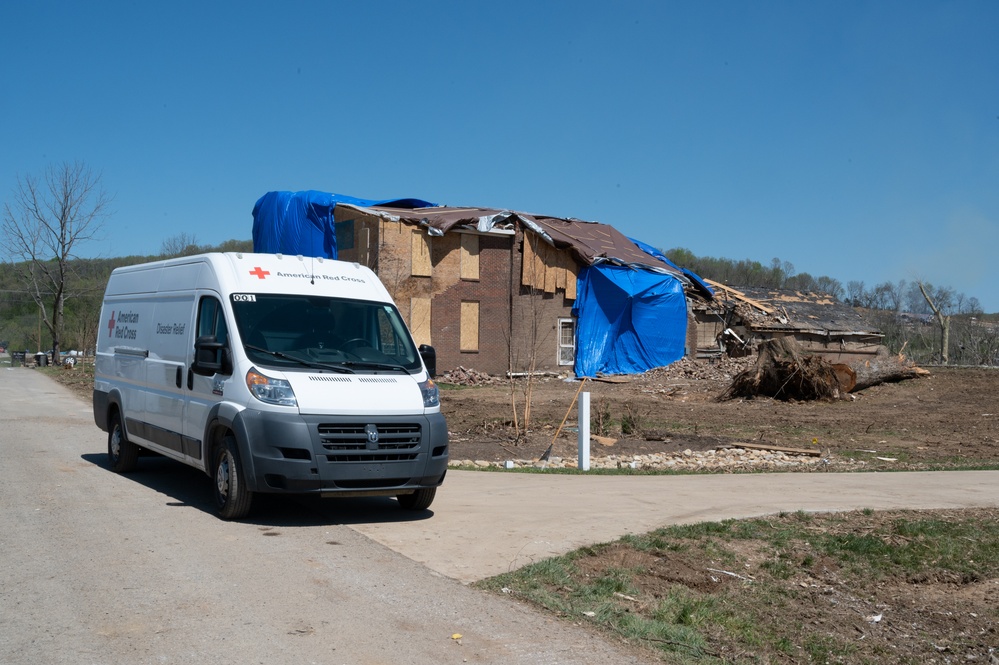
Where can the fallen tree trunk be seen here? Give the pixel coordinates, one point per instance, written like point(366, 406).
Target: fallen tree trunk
point(783, 371)
point(885, 368)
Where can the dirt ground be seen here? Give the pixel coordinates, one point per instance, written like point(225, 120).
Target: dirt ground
point(949, 419)
point(945, 420)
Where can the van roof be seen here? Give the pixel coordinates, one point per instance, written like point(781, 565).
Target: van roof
point(234, 272)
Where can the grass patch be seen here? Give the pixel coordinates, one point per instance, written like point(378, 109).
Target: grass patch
point(752, 591)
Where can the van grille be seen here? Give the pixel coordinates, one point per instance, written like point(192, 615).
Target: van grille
point(349, 442)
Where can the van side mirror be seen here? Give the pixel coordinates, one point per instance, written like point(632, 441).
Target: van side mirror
point(211, 357)
point(429, 356)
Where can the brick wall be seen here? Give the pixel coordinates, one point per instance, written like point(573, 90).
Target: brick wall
point(510, 329)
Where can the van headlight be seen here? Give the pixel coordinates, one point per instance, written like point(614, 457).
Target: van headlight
point(430, 395)
point(270, 390)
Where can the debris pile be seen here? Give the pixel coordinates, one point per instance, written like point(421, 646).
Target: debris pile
point(461, 376)
point(689, 369)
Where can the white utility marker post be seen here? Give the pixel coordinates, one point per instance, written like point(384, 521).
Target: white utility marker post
point(584, 431)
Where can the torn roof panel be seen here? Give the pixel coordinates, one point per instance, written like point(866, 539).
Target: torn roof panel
point(589, 242)
point(806, 310)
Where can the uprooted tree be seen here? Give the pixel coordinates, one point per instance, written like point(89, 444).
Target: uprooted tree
point(783, 371)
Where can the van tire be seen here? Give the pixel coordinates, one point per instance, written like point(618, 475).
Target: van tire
point(418, 500)
point(232, 498)
point(123, 455)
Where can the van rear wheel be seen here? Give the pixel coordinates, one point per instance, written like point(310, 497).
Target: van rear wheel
point(232, 498)
point(123, 455)
point(418, 500)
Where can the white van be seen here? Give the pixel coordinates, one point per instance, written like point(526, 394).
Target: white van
point(270, 373)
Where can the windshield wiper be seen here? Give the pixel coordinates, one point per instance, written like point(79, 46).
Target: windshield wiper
point(335, 367)
point(373, 365)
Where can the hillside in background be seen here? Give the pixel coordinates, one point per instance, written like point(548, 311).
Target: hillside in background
point(898, 309)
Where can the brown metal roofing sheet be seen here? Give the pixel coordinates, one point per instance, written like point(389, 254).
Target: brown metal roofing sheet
point(590, 242)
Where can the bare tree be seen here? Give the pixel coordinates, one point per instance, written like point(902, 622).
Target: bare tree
point(44, 223)
point(181, 244)
point(943, 319)
point(855, 292)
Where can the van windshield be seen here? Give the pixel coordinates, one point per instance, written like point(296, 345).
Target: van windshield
point(288, 331)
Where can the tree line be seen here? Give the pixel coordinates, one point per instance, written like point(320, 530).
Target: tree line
point(928, 323)
point(21, 321)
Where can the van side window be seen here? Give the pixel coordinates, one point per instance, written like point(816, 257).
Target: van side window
point(211, 322)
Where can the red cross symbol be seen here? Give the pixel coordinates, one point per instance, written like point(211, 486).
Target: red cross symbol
point(260, 272)
point(111, 324)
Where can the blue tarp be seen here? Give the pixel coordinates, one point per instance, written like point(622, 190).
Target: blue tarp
point(629, 321)
point(302, 222)
point(699, 283)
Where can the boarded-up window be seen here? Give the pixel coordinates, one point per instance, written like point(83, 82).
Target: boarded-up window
point(546, 268)
point(421, 255)
point(469, 256)
point(419, 319)
point(469, 326)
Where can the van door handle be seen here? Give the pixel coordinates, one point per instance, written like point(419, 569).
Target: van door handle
point(180, 373)
point(190, 379)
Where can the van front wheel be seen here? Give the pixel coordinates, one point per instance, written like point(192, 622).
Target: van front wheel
point(123, 455)
point(232, 498)
point(418, 500)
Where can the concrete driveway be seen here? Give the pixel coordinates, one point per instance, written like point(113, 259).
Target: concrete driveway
point(489, 523)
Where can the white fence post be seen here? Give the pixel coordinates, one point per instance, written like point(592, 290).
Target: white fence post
point(584, 431)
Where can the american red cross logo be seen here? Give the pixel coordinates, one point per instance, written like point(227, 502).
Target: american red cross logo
point(260, 272)
point(111, 324)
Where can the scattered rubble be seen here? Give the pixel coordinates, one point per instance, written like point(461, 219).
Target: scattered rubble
point(688, 369)
point(461, 376)
point(717, 460)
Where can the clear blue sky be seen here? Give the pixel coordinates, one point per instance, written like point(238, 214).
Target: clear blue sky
point(858, 140)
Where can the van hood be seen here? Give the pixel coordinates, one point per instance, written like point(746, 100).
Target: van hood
point(357, 394)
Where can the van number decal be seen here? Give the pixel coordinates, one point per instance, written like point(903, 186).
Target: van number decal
point(244, 297)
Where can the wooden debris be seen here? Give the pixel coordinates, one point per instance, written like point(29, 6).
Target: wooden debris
point(739, 295)
point(778, 449)
point(617, 378)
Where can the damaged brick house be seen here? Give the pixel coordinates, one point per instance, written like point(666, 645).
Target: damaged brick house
point(491, 289)
point(501, 291)
point(737, 320)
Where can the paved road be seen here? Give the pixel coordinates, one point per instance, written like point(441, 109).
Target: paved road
point(101, 568)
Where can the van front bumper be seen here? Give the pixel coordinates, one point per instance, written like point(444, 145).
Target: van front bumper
point(342, 455)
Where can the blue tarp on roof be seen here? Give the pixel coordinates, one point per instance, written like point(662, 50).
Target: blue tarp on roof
point(302, 222)
point(629, 321)
point(699, 283)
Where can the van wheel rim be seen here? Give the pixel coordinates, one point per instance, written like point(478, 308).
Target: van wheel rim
point(116, 444)
point(222, 477)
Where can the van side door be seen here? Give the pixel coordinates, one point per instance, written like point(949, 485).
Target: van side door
point(168, 332)
point(205, 390)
